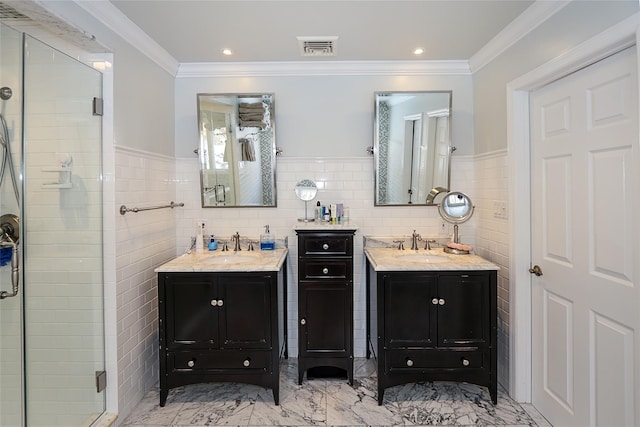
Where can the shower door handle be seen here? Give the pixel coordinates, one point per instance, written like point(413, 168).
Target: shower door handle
point(15, 270)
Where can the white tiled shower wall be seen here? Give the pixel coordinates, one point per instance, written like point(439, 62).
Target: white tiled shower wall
point(147, 239)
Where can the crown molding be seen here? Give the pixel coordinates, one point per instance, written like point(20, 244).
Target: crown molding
point(530, 19)
point(321, 68)
point(111, 17)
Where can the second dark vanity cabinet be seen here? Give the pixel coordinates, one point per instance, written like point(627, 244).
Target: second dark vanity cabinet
point(217, 327)
point(436, 326)
point(325, 301)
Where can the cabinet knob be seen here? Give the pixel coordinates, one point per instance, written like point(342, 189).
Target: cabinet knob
point(434, 301)
point(214, 302)
point(325, 246)
point(441, 301)
point(191, 363)
point(220, 303)
point(303, 321)
point(325, 270)
point(247, 362)
point(409, 362)
point(465, 362)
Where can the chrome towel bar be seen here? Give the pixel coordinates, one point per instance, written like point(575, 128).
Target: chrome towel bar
point(124, 209)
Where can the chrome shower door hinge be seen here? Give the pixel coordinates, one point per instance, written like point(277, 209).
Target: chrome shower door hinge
point(101, 380)
point(98, 104)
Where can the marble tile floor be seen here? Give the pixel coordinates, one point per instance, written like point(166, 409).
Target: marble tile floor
point(332, 402)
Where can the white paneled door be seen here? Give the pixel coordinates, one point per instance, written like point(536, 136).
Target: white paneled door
point(585, 239)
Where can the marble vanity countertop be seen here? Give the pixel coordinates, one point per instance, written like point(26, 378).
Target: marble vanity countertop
point(323, 225)
point(227, 261)
point(393, 259)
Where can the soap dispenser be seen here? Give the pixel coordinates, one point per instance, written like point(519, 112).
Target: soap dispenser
point(267, 240)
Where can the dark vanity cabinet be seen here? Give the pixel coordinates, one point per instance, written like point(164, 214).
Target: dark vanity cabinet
point(216, 327)
point(435, 326)
point(325, 303)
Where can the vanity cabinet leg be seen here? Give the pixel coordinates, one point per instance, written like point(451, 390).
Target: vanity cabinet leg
point(300, 371)
point(380, 395)
point(163, 396)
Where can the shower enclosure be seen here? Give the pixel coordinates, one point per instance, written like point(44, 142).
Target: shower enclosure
point(51, 272)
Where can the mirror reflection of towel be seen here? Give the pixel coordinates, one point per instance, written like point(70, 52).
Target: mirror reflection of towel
point(247, 153)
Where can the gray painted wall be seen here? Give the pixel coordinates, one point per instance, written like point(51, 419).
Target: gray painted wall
point(572, 25)
point(323, 116)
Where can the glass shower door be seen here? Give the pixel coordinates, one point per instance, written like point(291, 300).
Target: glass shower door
point(62, 242)
point(11, 307)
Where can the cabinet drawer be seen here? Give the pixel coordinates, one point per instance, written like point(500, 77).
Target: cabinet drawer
point(322, 245)
point(326, 269)
point(408, 360)
point(242, 361)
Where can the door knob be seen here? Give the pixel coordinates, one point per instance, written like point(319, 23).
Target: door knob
point(536, 270)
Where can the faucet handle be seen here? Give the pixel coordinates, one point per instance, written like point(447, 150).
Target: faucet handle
point(400, 244)
point(428, 243)
point(250, 247)
point(225, 248)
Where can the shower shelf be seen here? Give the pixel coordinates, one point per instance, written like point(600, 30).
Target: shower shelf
point(64, 179)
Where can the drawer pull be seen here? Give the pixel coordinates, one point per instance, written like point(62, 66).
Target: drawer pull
point(465, 362)
point(409, 362)
point(325, 246)
point(434, 301)
point(325, 270)
point(191, 363)
point(303, 321)
point(247, 362)
point(441, 301)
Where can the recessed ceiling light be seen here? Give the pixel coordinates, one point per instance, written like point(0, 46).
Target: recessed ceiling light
point(227, 51)
point(418, 51)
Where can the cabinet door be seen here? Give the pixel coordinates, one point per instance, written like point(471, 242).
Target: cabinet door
point(325, 319)
point(463, 319)
point(409, 315)
point(191, 312)
point(245, 313)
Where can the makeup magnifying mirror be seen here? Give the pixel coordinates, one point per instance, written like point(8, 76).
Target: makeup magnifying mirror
point(306, 190)
point(456, 208)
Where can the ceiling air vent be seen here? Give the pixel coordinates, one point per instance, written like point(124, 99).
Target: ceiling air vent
point(318, 46)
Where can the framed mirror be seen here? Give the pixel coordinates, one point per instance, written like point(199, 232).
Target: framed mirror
point(412, 146)
point(237, 150)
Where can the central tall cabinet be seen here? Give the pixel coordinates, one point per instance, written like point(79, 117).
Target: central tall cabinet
point(325, 301)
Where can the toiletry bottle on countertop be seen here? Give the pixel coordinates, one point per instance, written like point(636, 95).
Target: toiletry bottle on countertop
point(213, 244)
point(267, 240)
point(199, 236)
point(318, 213)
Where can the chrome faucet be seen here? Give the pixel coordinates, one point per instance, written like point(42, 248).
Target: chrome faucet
point(236, 239)
point(414, 240)
point(400, 244)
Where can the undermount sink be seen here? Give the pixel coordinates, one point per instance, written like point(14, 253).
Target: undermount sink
point(423, 258)
point(230, 259)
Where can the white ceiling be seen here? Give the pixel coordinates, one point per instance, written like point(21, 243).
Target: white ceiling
point(266, 30)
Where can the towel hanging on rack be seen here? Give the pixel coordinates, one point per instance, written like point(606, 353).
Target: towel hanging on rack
point(247, 153)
